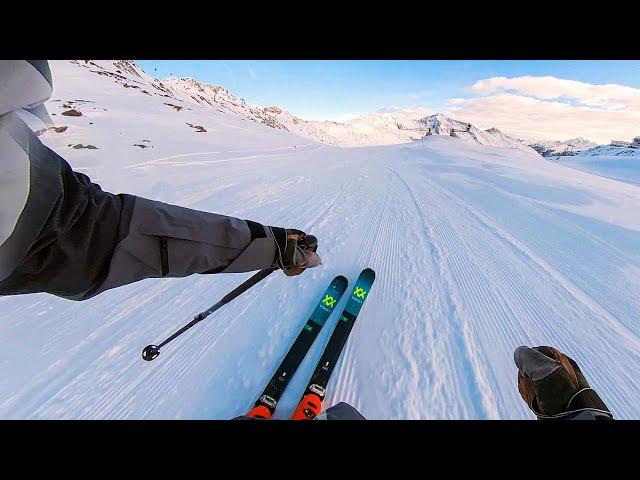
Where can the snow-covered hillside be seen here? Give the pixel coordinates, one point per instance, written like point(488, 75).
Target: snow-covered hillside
point(477, 249)
point(610, 151)
point(573, 146)
point(612, 162)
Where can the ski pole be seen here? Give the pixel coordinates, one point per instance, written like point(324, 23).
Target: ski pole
point(150, 352)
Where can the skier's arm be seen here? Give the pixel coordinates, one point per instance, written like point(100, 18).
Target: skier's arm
point(61, 234)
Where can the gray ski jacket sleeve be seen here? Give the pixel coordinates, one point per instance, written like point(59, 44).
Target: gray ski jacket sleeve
point(61, 234)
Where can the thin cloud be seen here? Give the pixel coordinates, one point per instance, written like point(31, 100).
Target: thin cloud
point(527, 117)
point(345, 117)
point(400, 113)
point(419, 94)
point(412, 111)
point(607, 96)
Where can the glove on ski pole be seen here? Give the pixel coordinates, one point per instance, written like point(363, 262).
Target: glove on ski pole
point(553, 386)
point(295, 250)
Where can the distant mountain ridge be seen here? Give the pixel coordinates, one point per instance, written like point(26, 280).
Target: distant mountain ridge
point(548, 148)
point(380, 128)
point(368, 129)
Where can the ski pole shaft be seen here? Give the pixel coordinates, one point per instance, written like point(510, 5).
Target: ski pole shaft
point(150, 352)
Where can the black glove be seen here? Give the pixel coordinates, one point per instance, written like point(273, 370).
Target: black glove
point(295, 250)
point(553, 385)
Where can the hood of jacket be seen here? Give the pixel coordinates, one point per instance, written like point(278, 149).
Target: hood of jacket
point(24, 84)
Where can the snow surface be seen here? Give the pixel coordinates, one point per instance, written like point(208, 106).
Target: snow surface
point(477, 249)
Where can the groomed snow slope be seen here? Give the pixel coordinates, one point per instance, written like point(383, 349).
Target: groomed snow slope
point(477, 250)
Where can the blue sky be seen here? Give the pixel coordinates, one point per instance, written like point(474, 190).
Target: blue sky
point(331, 89)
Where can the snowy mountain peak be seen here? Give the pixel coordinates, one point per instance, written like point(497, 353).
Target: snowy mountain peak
point(201, 93)
point(580, 143)
point(273, 110)
point(129, 66)
point(440, 124)
point(219, 98)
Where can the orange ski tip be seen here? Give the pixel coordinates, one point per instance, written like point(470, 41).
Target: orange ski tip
point(309, 407)
point(260, 412)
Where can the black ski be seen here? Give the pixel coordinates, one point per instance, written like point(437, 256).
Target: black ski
point(266, 403)
point(311, 403)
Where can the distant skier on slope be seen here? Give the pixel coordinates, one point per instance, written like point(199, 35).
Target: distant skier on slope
point(61, 234)
point(551, 384)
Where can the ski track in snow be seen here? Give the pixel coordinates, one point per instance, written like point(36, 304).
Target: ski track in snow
point(476, 250)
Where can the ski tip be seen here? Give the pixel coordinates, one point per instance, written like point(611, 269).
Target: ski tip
point(339, 282)
point(341, 279)
point(368, 272)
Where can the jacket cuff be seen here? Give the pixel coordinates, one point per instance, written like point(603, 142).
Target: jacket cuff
point(259, 254)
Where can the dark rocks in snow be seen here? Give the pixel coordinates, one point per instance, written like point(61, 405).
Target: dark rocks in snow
point(118, 78)
point(542, 150)
point(128, 66)
point(177, 107)
point(205, 100)
point(55, 129)
point(80, 146)
point(197, 128)
point(72, 113)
